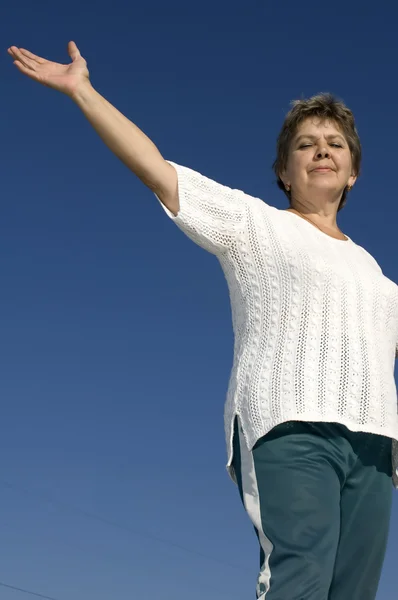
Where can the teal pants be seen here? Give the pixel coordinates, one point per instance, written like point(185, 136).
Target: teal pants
point(319, 496)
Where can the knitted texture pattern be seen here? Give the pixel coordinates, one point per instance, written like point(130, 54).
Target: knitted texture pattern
point(315, 320)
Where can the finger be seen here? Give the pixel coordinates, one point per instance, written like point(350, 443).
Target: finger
point(27, 62)
point(73, 51)
point(31, 74)
point(21, 67)
point(32, 56)
point(11, 50)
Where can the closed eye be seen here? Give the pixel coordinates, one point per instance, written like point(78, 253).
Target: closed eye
point(333, 144)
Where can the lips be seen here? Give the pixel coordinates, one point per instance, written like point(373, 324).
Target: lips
point(323, 169)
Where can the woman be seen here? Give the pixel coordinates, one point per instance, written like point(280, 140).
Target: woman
point(311, 410)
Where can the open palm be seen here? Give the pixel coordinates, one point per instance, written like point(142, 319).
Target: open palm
point(64, 78)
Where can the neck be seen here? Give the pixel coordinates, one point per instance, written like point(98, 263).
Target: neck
point(323, 211)
point(333, 231)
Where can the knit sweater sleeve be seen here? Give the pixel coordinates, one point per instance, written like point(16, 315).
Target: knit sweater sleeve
point(210, 214)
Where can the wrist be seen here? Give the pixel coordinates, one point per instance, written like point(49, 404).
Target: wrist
point(82, 92)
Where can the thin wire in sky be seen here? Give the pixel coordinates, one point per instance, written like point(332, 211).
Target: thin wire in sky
point(18, 589)
point(118, 525)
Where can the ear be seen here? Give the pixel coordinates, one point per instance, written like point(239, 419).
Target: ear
point(352, 180)
point(285, 180)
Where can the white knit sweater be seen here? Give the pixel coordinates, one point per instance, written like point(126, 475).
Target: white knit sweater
point(315, 320)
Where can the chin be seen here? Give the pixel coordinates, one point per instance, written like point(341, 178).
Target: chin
point(327, 192)
point(325, 186)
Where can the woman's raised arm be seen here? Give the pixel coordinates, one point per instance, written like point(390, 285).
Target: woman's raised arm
point(121, 136)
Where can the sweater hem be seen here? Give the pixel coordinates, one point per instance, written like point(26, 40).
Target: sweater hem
point(351, 425)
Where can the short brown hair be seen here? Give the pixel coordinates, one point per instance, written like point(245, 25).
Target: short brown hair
point(324, 106)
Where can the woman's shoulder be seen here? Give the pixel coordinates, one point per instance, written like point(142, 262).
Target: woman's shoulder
point(258, 204)
point(366, 256)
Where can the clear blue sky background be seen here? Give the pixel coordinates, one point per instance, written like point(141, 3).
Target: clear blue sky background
point(115, 328)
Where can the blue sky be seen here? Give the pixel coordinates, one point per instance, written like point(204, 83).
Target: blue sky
point(115, 329)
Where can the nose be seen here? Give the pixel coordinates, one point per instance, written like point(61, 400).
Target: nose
point(323, 153)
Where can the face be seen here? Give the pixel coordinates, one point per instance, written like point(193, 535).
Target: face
point(319, 162)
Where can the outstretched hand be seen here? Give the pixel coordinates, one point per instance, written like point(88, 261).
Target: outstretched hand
point(64, 78)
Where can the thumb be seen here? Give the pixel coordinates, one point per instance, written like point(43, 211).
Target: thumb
point(73, 51)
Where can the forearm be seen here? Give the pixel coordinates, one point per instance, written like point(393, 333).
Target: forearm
point(124, 139)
